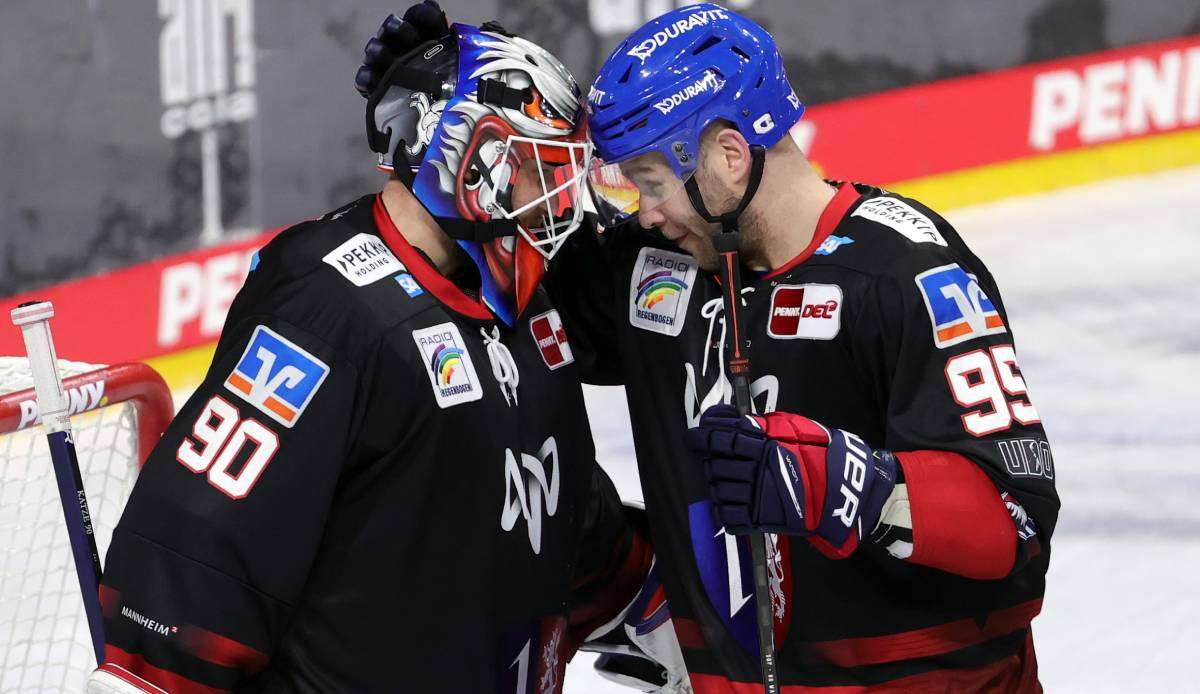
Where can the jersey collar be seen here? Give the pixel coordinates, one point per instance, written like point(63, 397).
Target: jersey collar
point(426, 274)
point(830, 217)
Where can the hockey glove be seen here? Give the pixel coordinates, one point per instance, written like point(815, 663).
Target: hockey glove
point(783, 473)
point(396, 37)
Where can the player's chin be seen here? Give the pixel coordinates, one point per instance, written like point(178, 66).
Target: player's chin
point(704, 252)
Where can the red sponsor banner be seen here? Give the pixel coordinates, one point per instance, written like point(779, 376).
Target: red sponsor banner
point(181, 301)
point(1009, 114)
point(164, 306)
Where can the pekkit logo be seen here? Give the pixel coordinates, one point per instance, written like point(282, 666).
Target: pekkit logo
point(448, 363)
point(805, 311)
point(364, 259)
point(660, 38)
point(710, 80)
point(902, 217)
point(957, 305)
point(530, 488)
point(551, 338)
point(660, 290)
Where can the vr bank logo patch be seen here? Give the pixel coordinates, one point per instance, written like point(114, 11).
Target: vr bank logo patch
point(660, 289)
point(448, 364)
point(805, 311)
point(551, 339)
point(276, 376)
point(958, 308)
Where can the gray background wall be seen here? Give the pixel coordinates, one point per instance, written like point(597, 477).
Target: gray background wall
point(91, 179)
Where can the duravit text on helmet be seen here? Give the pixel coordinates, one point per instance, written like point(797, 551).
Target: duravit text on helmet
point(710, 79)
point(646, 48)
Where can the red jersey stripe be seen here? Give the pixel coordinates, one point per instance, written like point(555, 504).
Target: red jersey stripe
point(221, 650)
point(927, 642)
point(116, 660)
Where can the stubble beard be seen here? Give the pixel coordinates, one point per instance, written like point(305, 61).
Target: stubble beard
point(750, 227)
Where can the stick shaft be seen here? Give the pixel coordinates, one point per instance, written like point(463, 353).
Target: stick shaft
point(33, 320)
point(738, 366)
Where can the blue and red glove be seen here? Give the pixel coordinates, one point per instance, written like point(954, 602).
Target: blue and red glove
point(783, 473)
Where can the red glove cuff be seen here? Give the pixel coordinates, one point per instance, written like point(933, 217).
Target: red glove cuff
point(792, 428)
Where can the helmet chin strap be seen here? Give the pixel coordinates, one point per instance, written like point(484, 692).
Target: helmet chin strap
point(729, 220)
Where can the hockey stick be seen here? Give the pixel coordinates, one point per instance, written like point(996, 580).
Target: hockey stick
point(34, 320)
point(737, 365)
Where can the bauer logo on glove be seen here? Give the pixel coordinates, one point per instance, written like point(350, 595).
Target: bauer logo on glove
point(783, 473)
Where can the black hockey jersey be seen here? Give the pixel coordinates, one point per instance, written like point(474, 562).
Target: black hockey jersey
point(887, 326)
point(378, 488)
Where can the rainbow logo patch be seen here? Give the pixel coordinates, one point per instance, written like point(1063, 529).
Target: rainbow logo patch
point(657, 287)
point(445, 361)
point(448, 363)
point(660, 289)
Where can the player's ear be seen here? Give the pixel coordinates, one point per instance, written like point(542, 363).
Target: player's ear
point(733, 156)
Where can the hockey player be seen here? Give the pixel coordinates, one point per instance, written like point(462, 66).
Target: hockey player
point(897, 454)
point(386, 481)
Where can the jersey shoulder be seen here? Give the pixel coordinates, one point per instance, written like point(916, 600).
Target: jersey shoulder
point(314, 244)
point(885, 233)
point(333, 277)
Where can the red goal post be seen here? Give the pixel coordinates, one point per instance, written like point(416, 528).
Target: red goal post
point(135, 383)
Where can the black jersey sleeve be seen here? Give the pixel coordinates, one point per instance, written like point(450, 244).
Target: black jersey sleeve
point(582, 283)
point(209, 559)
point(937, 351)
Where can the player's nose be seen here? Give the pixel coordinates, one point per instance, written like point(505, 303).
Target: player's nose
point(648, 219)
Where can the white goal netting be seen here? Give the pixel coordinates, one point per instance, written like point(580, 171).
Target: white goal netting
point(44, 640)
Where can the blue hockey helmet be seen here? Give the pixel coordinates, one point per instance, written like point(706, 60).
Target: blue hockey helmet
point(670, 79)
point(462, 121)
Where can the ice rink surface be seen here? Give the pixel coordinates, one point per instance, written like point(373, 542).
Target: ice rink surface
point(1102, 287)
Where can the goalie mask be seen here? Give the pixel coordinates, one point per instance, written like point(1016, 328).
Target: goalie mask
point(488, 132)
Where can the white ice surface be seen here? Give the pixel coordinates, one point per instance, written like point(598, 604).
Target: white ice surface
point(1102, 287)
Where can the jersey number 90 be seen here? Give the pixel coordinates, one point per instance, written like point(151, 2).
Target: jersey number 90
point(219, 439)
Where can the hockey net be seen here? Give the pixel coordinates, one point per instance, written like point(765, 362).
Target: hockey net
point(118, 412)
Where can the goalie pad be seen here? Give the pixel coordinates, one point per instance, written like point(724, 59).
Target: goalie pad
point(110, 679)
point(641, 650)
